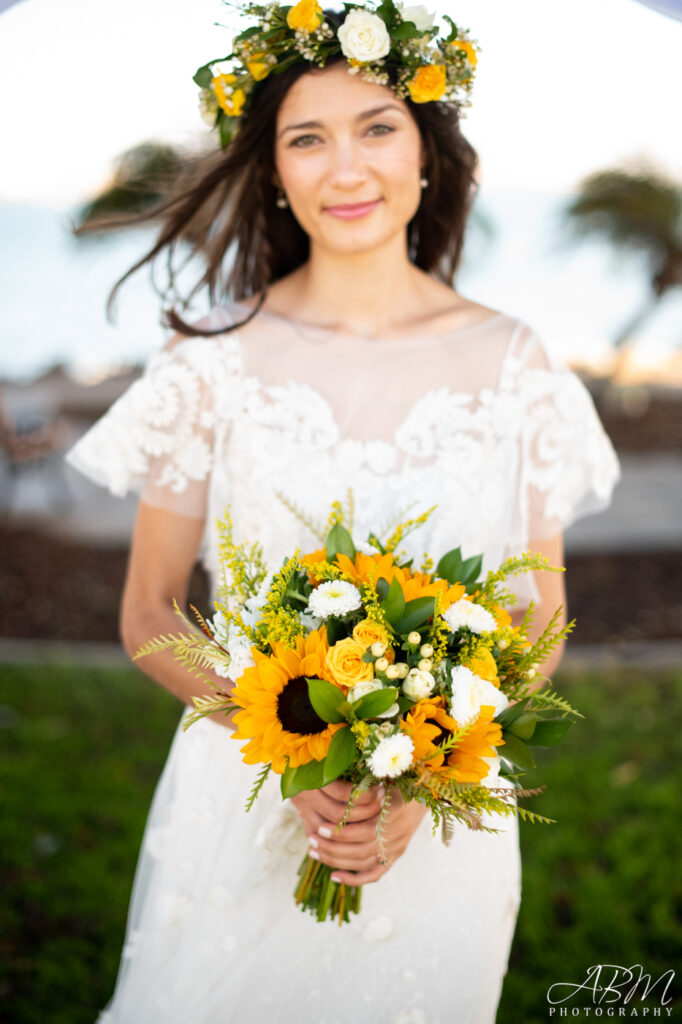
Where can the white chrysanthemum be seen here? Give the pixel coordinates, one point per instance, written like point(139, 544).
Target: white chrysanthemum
point(418, 14)
point(418, 684)
point(392, 757)
point(363, 36)
point(257, 600)
point(467, 613)
point(335, 597)
point(470, 692)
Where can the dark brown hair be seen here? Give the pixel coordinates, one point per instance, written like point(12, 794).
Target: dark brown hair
point(223, 206)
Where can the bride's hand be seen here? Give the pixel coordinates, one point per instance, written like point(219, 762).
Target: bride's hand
point(354, 849)
point(325, 806)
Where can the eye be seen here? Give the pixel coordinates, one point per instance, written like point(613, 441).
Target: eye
point(300, 140)
point(387, 128)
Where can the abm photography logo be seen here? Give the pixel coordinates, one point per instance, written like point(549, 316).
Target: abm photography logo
point(612, 991)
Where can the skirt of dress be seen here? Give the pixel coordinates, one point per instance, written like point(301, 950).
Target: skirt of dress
point(214, 936)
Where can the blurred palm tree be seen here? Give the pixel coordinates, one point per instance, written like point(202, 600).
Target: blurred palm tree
point(143, 176)
point(639, 210)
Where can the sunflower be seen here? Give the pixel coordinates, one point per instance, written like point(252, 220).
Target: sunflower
point(412, 584)
point(277, 717)
point(465, 761)
point(428, 724)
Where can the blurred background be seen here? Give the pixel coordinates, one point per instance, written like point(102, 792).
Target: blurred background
point(577, 229)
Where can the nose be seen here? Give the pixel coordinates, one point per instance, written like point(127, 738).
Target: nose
point(347, 169)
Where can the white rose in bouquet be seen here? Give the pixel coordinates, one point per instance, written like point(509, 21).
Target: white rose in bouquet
point(418, 684)
point(470, 692)
point(364, 36)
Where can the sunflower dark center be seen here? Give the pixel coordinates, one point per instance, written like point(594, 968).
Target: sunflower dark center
point(442, 733)
point(295, 711)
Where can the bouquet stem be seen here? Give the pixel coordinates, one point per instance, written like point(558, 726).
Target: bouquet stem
point(317, 893)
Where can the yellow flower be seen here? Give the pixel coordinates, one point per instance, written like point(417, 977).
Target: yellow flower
point(428, 724)
point(484, 665)
point(368, 632)
point(277, 717)
point(305, 16)
point(501, 615)
point(428, 83)
point(231, 102)
point(463, 44)
point(413, 584)
point(344, 661)
point(465, 761)
point(257, 68)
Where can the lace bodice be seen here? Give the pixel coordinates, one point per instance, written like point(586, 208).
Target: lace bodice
point(481, 422)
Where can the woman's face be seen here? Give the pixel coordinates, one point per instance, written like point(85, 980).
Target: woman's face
point(341, 142)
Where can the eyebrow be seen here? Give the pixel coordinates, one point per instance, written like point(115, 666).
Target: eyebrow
point(361, 117)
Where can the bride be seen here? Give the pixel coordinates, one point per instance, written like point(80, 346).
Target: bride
point(344, 358)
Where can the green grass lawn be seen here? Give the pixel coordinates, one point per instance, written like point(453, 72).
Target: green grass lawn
point(83, 749)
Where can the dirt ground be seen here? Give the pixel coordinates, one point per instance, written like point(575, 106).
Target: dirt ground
point(56, 590)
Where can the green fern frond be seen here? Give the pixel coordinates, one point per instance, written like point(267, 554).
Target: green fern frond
point(532, 817)
point(208, 706)
point(163, 643)
point(381, 825)
point(258, 785)
point(298, 513)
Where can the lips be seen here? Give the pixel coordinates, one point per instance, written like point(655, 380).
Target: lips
point(348, 211)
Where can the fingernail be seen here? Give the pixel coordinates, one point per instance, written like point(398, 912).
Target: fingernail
point(382, 792)
point(314, 854)
point(336, 878)
point(313, 841)
point(325, 831)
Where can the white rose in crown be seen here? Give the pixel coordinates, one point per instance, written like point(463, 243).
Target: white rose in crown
point(364, 36)
point(418, 14)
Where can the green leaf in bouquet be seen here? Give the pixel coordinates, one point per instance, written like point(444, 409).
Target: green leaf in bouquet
point(456, 569)
point(524, 726)
point(326, 699)
point(405, 703)
point(550, 732)
point(376, 702)
point(306, 776)
point(376, 543)
point(394, 602)
point(381, 587)
point(340, 755)
point(415, 614)
point(339, 541)
point(511, 713)
point(515, 751)
point(336, 630)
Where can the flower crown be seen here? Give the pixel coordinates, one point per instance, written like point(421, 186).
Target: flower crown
point(373, 40)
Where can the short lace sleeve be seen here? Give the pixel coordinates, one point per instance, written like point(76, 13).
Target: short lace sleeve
point(159, 437)
point(569, 467)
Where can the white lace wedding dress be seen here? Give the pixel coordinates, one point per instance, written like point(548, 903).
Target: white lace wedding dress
point(479, 421)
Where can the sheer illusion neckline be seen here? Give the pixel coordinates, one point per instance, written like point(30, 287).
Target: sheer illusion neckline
point(316, 334)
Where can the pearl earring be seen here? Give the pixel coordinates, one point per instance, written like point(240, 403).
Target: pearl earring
point(423, 182)
point(281, 200)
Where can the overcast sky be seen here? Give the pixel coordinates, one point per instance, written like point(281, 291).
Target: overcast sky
point(561, 89)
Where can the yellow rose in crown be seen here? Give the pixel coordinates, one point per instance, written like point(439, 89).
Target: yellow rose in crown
point(344, 661)
point(428, 83)
point(258, 68)
point(464, 44)
point(230, 100)
point(305, 16)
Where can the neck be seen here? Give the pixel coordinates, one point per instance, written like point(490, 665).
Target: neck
point(366, 293)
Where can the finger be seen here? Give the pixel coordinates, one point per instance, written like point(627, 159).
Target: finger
point(348, 862)
point(334, 810)
point(360, 877)
point(340, 790)
point(354, 832)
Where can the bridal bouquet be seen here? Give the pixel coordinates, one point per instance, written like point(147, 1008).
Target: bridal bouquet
point(349, 663)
